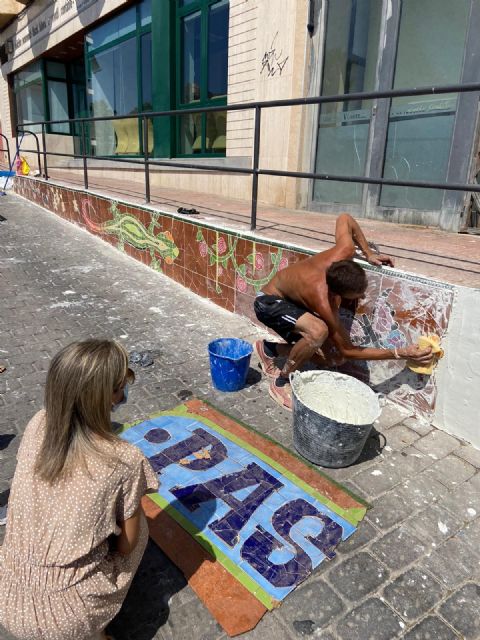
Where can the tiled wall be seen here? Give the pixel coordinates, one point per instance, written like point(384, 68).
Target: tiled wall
point(228, 269)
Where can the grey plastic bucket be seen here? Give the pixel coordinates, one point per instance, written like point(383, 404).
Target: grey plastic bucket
point(327, 407)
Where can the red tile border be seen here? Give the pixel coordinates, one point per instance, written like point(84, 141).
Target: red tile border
point(230, 603)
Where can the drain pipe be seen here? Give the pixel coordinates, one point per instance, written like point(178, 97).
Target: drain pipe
point(311, 18)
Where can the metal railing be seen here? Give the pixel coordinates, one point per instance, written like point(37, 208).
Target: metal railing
point(255, 171)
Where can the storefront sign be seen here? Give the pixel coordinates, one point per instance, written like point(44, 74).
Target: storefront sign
point(51, 18)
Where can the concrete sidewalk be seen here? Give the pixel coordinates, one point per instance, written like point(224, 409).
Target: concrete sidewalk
point(411, 570)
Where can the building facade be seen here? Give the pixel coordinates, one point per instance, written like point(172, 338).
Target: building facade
point(67, 59)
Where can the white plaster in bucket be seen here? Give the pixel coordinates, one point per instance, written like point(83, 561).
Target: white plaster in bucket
point(336, 396)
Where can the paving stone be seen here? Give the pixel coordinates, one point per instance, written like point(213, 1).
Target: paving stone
point(461, 611)
point(388, 510)
point(364, 534)
point(401, 436)
point(432, 525)
point(421, 490)
point(357, 576)
point(413, 460)
point(377, 479)
point(470, 454)
point(437, 444)
point(420, 425)
point(372, 620)
point(431, 628)
point(269, 628)
point(301, 610)
point(470, 535)
point(391, 414)
point(464, 501)
point(452, 563)
point(451, 471)
point(413, 594)
point(398, 548)
point(193, 615)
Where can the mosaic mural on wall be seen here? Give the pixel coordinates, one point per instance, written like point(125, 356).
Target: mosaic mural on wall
point(261, 522)
point(222, 256)
point(128, 229)
point(229, 269)
point(396, 311)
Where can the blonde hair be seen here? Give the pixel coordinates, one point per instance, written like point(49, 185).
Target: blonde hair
point(78, 399)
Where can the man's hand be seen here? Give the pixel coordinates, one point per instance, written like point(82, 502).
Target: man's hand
point(379, 259)
point(416, 354)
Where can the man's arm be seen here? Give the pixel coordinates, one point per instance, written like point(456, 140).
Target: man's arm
point(348, 234)
point(349, 351)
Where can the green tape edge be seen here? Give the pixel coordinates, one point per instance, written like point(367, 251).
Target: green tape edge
point(248, 582)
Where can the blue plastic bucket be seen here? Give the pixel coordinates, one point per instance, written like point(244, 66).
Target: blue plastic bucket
point(229, 362)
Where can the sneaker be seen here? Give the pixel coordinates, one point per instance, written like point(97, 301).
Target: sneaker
point(268, 364)
point(3, 516)
point(282, 395)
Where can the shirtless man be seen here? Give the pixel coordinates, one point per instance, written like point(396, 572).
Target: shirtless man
point(301, 304)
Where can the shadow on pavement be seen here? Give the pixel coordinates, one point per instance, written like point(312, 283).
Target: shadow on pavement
point(147, 605)
point(5, 440)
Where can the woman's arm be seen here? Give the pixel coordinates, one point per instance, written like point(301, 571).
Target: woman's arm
point(129, 534)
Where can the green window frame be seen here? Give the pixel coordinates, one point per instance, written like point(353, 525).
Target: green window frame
point(200, 135)
point(50, 74)
point(142, 34)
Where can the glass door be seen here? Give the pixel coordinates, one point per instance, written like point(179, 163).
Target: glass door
point(430, 52)
point(350, 66)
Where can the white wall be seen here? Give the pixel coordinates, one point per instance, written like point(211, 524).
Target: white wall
point(458, 375)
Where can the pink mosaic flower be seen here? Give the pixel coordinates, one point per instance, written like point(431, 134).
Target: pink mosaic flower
point(241, 285)
point(221, 246)
point(259, 261)
point(283, 264)
point(203, 248)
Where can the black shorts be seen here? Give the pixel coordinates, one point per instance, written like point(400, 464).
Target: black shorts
point(280, 315)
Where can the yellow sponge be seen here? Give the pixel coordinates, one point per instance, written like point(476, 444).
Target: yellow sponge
point(437, 353)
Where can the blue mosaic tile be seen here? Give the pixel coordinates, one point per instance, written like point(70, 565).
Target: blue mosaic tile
point(262, 521)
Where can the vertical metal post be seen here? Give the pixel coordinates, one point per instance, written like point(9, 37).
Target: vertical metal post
point(44, 145)
point(145, 157)
point(256, 154)
point(84, 154)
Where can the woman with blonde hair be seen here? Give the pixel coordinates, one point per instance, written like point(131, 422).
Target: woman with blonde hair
point(75, 531)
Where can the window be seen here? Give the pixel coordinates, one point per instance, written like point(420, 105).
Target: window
point(119, 58)
point(28, 88)
point(50, 90)
point(202, 61)
point(57, 95)
point(351, 49)
point(420, 128)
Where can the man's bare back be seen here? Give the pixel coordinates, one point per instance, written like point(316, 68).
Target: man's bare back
point(301, 304)
point(304, 282)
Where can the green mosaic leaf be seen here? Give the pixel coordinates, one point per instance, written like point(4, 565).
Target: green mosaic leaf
point(199, 236)
point(242, 269)
point(251, 258)
point(212, 258)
